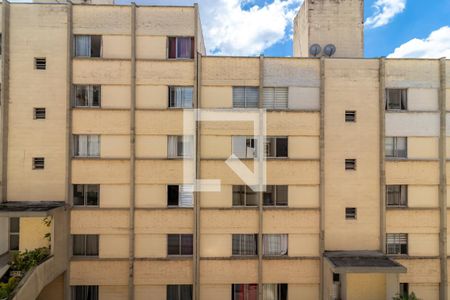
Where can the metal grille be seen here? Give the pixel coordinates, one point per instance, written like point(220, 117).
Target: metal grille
point(40, 63)
point(39, 113)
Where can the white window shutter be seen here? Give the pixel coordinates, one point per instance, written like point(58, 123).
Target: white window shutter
point(186, 195)
point(269, 98)
point(281, 98)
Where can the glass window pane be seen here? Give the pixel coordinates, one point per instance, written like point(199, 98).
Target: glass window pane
point(173, 292)
point(282, 195)
point(79, 245)
point(186, 244)
point(92, 245)
point(269, 195)
point(78, 194)
point(186, 292)
point(14, 225)
point(282, 147)
point(96, 45)
point(251, 197)
point(94, 145)
point(173, 244)
point(389, 146)
point(96, 95)
point(93, 192)
point(14, 242)
point(238, 195)
point(172, 195)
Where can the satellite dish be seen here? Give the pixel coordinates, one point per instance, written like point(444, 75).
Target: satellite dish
point(329, 50)
point(315, 49)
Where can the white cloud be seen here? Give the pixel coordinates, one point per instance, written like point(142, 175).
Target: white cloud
point(231, 30)
point(436, 45)
point(385, 11)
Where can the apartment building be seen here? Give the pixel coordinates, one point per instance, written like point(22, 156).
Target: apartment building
point(94, 101)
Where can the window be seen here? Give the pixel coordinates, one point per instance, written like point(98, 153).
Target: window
point(275, 195)
point(275, 98)
point(336, 277)
point(86, 145)
point(395, 147)
point(14, 231)
point(85, 245)
point(404, 289)
point(180, 195)
point(245, 97)
point(38, 163)
point(88, 45)
point(87, 96)
point(39, 113)
point(86, 194)
point(244, 291)
point(180, 96)
point(85, 292)
point(181, 47)
point(350, 116)
point(180, 146)
point(276, 147)
point(40, 63)
point(245, 244)
point(397, 243)
point(350, 213)
point(275, 244)
point(179, 292)
point(275, 291)
point(179, 244)
point(244, 146)
point(350, 164)
point(397, 195)
point(244, 196)
point(396, 99)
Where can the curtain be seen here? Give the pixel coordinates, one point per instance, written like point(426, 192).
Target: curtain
point(83, 45)
point(184, 47)
point(389, 146)
point(172, 146)
point(186, 244)
point(270, 292)
point(94, 145)
point(275, 244)
point(186, 195)
point(172, 47)
point(186, 292)
point(81, 145)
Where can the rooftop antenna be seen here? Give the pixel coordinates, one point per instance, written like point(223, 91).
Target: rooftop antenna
point(329, 50)
point(315, 50)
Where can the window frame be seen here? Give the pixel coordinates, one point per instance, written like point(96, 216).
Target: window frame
point(181, 188)
point(173, 89)
point(193, 47)
point(246, 90)
point(244, 191)
point(274, 139)
point(90, 47)
point(395, 248)
point(279, 287)
point(396, 153)
point(179, 293)
point(274, 92)
point(76, 143)
point(174, 141)
point(403, 96)
point(275, 194)
point(15, 234)
point(85, 251)
point(85, 195)
point(402, 195)
point(89, 88)
point(180, 245)
point(241, 251)
point(246, 290)
point(247, 144)
point(273, 235)
point(85, 294)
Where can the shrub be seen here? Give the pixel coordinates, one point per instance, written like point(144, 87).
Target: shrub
point(411, 296)
point(7, 288)
point(23, 261)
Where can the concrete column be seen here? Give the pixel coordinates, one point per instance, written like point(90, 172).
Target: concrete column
point(382, 101)
point(322, 177)
point(69, 91)
point(443, 288)
point(197, 194)
point(132, 154)
point(260, 194)
point(5, 98)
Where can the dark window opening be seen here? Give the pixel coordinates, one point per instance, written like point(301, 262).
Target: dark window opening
point(87, 96)
point(39, 113)
point(396, 99)
point(40, 63)
point(350, 164)
point(38, 163)
point(179, 292)
point(350, 213)
point(86, 194)
point(85, 245)
point(14, 231)
point(179, 244)
point(350, 116)
point(275, 195)
point(85, 292)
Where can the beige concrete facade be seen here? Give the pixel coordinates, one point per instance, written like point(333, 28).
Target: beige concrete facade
point(134, 169)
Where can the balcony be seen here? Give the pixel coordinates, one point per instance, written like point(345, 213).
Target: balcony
point(33, 244)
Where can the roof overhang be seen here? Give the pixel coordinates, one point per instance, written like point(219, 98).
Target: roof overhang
point(30, 208)
point(362, 262)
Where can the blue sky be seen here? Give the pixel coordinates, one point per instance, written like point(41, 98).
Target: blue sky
point(396, 28)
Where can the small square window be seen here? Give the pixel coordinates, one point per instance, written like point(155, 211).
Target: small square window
point(39, 113)
point(350, 116)
point(38, 163)
point(40, 63)
point(350, 164)
point(350, 213)
point(336, 277)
